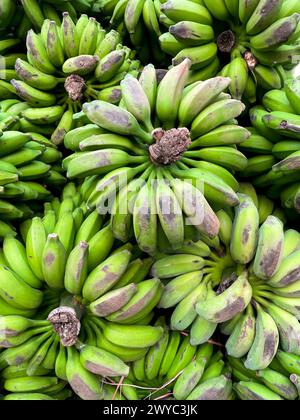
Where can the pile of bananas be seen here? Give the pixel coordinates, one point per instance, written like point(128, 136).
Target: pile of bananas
point(149, 200)
point(275, 146)
point(67, 64)
point(30, 165)
point(136, 170)
point(134, 19)
point(258, 40)
point(175, 367)
point(278, 382)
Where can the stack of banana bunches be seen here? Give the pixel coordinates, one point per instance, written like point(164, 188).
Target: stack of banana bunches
point(149, 200)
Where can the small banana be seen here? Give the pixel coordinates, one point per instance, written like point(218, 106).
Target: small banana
point(225, 306)
point(265, 343)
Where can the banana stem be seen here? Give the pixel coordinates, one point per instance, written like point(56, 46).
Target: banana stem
point(66, 319)
point(138, 159)
point(261, 300)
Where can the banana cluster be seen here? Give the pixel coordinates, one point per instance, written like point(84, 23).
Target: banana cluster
point(143, 22)
point(56, 291)
point(175, 367)
point(36, 358)
point(275, 146)
point(161, 158)
point(280, 381)
point(66, 64)
point(245, 282)
point(30, 164)
point(257, 39)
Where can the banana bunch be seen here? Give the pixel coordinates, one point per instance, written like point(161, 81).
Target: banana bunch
point(280, 381)
point(66, 64)
point(70, 250)
point(166, 158)
point(29, 165)
point(37, 358)
point(11, 49)
point(175, 368)
point(243, 281)
point(34, 12)
point(276, 167)
point(271, 319)
point(142, 22)
point(11, 17)
point(256, 39)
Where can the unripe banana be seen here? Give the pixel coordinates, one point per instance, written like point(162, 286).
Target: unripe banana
point(76, 269)
point(53, 262)
point(245, 231)
point(170, 91)
point(225, 306)
point(103, 277)
point(241, 339)
point(35, 243)
point(101, 362)
point(269, 252)
point(265, 343)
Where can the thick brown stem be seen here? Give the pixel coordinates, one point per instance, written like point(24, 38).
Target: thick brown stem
point(75, 86)
point(170, 145)
point(66, 320)
point(226, 41)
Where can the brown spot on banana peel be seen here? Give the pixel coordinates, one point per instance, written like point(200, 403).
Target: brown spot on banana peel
point(253, 396)
point(113, 304)
point(270, 345)
point(82, 389)
point(269, 262)
point(297, 203)
point(113, 59)
point(22, 73)
point(100, 370)
point(8, 333)
point(265, 11)
point(59, 136)
point(30, 45)
point(49, 258)
point(247, 325)
point(282, 34)
point(135, 309)
point(20, 91)
point(231, 309)
point(5, 344)
point(292, 163)
point(285, 125)
point(291, 277)
point(104, 159)
point(115, 95)
point(119, 118)
point(246, 234)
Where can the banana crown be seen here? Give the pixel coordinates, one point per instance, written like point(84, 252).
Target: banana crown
point(276, 163)
point(68, 63)
point(260, 38)
point(168, 150)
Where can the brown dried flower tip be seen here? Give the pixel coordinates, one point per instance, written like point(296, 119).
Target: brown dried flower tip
point(75, 86)
point(170, 145)
point(65, 324)
point(250, 60)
